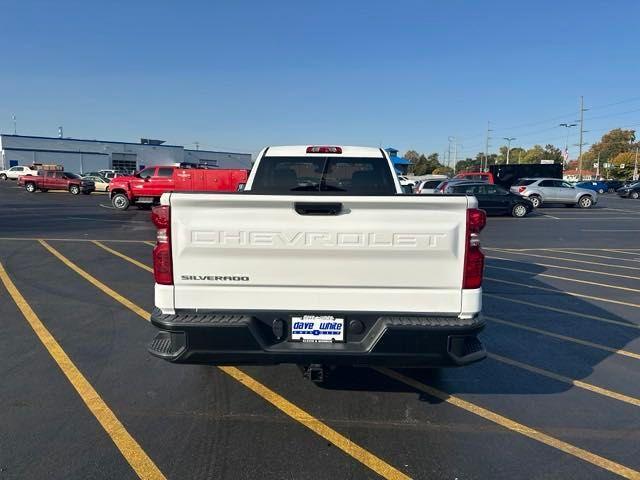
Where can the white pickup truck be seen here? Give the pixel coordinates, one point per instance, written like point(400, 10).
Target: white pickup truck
point(320, 261)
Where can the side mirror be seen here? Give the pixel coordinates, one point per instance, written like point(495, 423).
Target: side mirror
point(407, 189)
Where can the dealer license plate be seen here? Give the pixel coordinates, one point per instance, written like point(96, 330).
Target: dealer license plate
point(314, 328)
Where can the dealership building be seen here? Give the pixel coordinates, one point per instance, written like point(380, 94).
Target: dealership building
point(82, 156)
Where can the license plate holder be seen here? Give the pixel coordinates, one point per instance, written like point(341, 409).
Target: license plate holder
point(316, 329)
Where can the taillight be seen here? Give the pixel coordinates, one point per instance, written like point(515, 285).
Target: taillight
point(521, 189)
point(324, 149)
point(162, 267)
point(474, 258)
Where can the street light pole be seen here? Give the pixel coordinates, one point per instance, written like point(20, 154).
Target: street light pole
point(508, 139)
point(566, 144)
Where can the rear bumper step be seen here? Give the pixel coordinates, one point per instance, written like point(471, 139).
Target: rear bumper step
point(261, 338)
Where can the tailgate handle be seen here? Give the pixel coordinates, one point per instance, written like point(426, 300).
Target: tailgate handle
point(318, 208)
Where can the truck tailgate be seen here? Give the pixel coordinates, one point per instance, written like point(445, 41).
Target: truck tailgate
point(388, 253)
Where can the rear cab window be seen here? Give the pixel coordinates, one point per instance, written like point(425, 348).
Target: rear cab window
point(327, 175)
point(165, 172)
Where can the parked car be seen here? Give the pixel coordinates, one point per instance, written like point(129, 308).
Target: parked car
point(17, 171)
point(101, 183)
point(445, 185)
point(56, 180)
point(476, 176)
point(147, 186)
point(496, 200)
point(428, 186)
point(630, 191)
point(595, 185)
point(554, 191)
point(613, 185)
point(333, 235)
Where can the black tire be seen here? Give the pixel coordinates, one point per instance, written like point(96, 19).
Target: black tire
point(536, 200)
point(585, 201)
point(519, 210)
point(120, 201)
point(3, 177)
point(634, 195)
point(30, 187)
point(74, 190)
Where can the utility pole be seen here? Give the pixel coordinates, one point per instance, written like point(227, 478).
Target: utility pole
point(582, 110)
point(598, 167)
point(635, 168)
point(486, 149)
point(15, 126)
point(508, 139)
point(451, 139)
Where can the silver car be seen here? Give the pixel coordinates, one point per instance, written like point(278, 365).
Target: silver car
point(554, 190)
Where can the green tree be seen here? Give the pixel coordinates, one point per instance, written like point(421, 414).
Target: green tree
point(610, 145)
point(412, 156)
point(534, 155)
point(553, 153)
point(622, 165)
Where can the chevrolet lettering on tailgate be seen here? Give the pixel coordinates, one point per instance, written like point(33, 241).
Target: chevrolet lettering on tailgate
point(249, 238)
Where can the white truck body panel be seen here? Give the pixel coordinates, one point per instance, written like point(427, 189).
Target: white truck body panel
point(381, 254)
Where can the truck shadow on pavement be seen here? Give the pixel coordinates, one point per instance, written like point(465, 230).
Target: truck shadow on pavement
point(580, 319)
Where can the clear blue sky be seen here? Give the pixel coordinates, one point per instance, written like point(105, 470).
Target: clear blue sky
point(241, 75)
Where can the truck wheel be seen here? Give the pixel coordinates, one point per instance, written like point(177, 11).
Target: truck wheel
point(120, 201)
point(519, 211)
point(585, 202)
point(30, 187)
point(536, 200)
point(634, 195)
point(74, 189)
point(3, 177)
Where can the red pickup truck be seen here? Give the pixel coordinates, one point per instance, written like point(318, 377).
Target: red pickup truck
point(56, 180)
point(147, 186)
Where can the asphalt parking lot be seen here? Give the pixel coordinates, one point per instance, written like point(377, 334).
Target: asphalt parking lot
point(558, 397)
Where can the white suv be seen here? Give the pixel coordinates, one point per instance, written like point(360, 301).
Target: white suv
point(14, 172)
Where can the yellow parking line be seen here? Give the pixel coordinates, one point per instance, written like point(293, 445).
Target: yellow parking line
point(567, 279)
point(562, 310)
point(379, 466)
point(150, 243)
point(561, 378)
point(586, 343)
point(573, 269)
point(564, 259)
point(123, 256)
point(592, 255)
point(368, 459)
point(95, 282)
point(129, 448)
point(564, 292)
point(514, 426)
